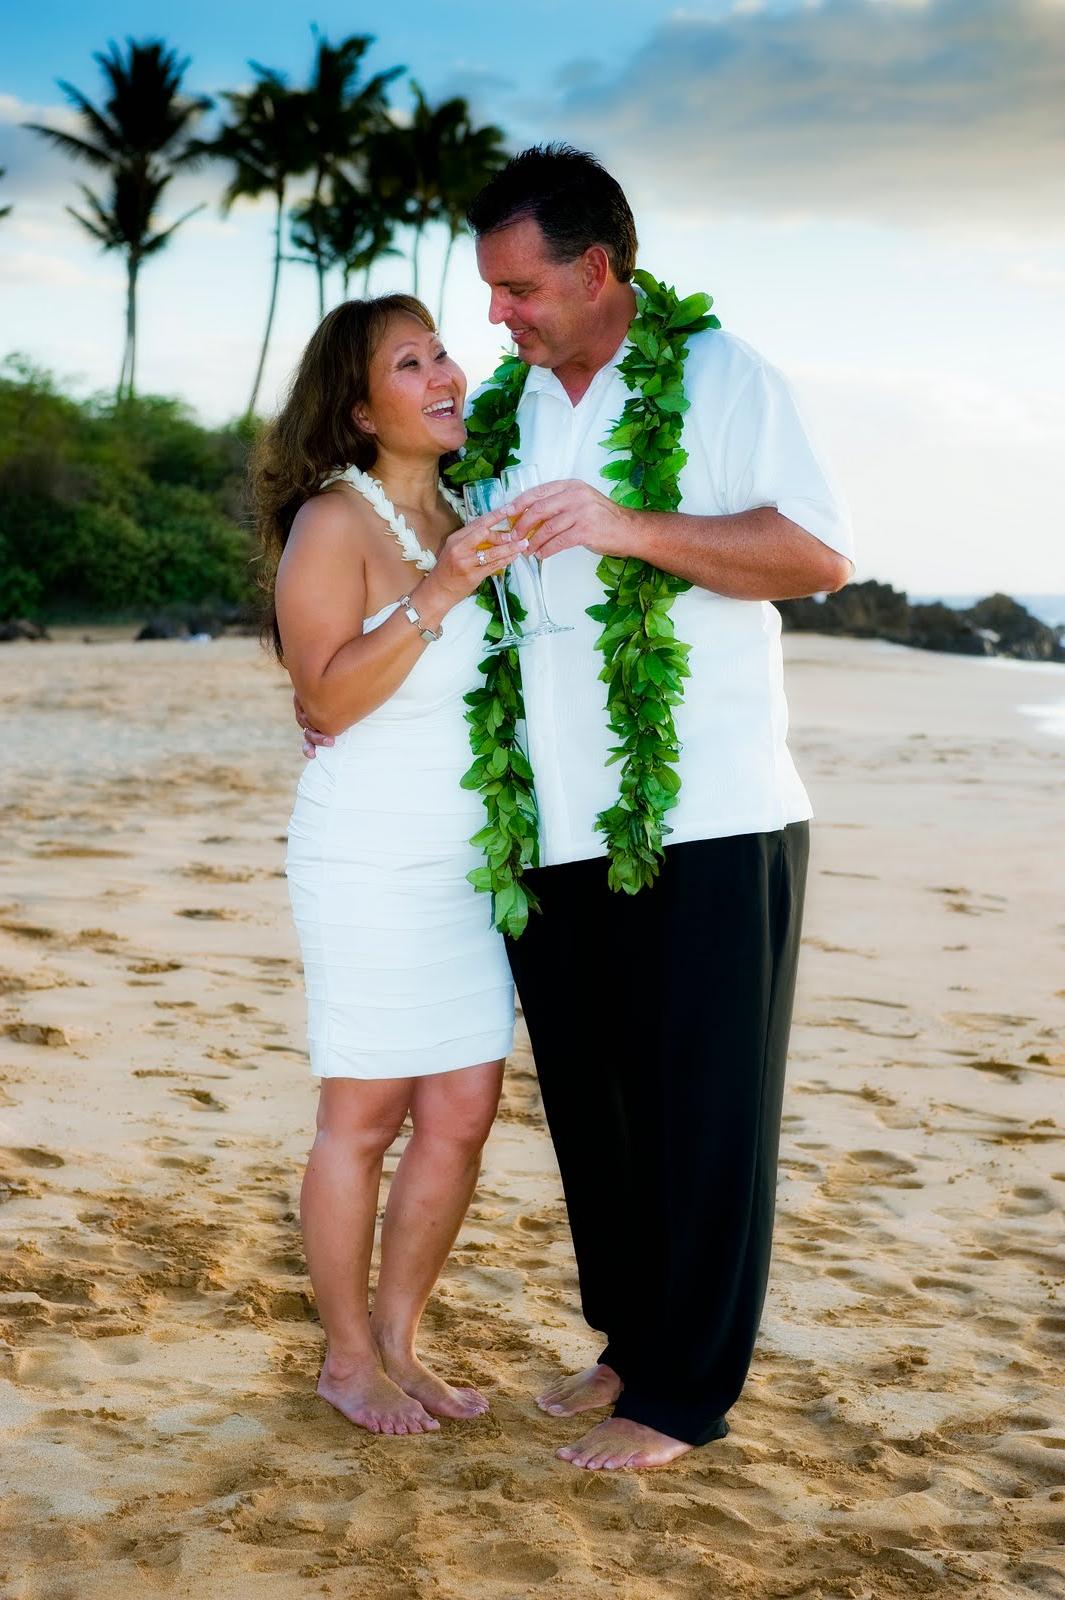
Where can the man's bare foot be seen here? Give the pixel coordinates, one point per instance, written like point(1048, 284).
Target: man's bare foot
point(367, 1396)
point(619, 1444)
point(584, 1391)
point(418, 1381)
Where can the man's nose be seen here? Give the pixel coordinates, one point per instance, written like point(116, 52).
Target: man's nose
point(498, 307)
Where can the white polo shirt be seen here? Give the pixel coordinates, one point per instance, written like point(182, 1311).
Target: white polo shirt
point(747, 447)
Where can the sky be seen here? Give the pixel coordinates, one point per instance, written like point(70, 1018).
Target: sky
point(872, 190)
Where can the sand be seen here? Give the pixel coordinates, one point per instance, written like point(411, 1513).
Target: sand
point(901, 1433)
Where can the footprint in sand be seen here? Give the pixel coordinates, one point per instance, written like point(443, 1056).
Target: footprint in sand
point(37, 1033)
point(207, 914)
point(32, 1156)
point(1029, 1202)
point(202, 1097)
point(84, 852)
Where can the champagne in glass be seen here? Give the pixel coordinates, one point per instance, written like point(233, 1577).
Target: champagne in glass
point(515, 481)
point(480, 498)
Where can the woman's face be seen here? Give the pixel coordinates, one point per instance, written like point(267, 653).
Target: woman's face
point(416, 392)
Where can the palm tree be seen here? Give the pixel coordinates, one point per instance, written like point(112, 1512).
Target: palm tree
point(350, 230)
point(268, 144)
point(140, 138)
point(430, 168)
point(4, 210)
point(125, 224)
point(469, 156)
point(340, 120)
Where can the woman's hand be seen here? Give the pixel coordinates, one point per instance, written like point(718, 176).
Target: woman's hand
point(311, 737)
point(469, 556)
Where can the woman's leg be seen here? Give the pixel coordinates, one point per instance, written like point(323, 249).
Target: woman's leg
point(357, 1121)
point(451, 1113)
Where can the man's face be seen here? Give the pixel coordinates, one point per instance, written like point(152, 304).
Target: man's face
point(542, 301)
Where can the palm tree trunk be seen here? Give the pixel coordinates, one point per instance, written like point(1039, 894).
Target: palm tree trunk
point(451, 237)
point(273, 304)
point(319, 266)
point(414, 253)
point(124, 370)
point(366, 280)
point(131, 326)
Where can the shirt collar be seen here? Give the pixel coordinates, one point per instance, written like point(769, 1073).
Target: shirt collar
point(542, 380)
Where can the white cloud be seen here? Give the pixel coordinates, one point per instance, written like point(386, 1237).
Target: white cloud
point(947, 111)
point(51, 272)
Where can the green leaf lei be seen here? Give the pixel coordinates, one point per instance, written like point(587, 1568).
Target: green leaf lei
point(644, 663)
point(501, 771)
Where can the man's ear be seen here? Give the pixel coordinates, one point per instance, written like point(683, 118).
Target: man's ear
point(595, 265)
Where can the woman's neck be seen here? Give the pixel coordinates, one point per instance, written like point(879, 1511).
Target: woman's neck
point(410, 481)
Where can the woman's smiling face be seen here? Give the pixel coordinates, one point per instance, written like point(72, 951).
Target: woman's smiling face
point(416, 392)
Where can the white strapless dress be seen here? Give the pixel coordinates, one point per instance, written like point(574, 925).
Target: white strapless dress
point(405, 973)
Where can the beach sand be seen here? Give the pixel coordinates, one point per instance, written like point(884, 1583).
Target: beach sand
point(902, 1431)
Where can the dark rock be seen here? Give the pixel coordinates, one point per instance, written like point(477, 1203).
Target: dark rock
point(163, 628)
point(997, 626)
point(22, 628)
point(212, 617)
point(867, 610)
point(1016, 631)
point(938, 627)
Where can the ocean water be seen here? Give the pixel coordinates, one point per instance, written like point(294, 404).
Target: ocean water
point(1049, 608)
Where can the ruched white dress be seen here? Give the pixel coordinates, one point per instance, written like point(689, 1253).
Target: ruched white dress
point(405, 973)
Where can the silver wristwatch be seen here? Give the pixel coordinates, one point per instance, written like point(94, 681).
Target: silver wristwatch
point(430, 635)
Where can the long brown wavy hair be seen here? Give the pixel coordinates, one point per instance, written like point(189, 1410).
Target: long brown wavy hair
point(315, 436)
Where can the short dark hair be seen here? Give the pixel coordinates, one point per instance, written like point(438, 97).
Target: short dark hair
point(570, 195)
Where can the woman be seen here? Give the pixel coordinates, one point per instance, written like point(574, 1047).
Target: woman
point(410, 1004)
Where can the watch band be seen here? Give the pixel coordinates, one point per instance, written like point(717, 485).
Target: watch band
point(430, 635)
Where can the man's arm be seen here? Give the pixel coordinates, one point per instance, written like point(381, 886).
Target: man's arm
point(753, 555)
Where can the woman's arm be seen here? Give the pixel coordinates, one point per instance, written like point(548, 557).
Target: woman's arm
point(339, 673)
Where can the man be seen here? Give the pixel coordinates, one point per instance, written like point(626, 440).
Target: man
point(659, 1020)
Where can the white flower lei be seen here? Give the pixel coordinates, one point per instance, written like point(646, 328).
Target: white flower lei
point(411, 547)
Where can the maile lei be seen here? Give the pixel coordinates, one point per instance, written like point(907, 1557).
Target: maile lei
point(644, 664)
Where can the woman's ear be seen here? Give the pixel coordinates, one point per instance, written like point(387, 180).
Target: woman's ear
point(362, 419)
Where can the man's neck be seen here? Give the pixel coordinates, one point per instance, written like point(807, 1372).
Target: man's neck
point(615, 311)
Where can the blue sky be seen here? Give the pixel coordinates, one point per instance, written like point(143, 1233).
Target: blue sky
point(873, 190)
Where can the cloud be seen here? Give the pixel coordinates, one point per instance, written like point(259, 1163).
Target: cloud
point(35, 171)
point(34, 268)
point(933, 112)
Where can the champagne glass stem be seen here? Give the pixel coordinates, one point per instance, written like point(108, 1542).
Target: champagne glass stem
point(499, 584)
point(545, 622)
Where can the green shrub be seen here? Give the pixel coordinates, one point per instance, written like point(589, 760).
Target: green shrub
point(109, 509)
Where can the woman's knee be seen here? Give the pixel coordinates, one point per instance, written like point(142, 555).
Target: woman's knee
point(461, 1119)
point(364, 1126)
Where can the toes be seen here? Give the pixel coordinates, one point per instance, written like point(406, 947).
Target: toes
point(617, 1463)
point(567, 1452)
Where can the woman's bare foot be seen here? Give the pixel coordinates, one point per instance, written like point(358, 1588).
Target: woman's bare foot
point(619, 1443)
point(585, 1391)
point(425, 1386)
point(367, 1396)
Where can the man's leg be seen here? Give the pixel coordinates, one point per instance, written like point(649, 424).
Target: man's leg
point(706, 965)
point(573, 994)
point(729, 922)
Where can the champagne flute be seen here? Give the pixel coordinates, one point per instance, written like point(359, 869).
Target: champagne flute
point(515, 481)
point(479, 498)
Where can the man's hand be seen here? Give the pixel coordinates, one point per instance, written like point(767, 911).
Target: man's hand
point(556, 516)
point(311, 737)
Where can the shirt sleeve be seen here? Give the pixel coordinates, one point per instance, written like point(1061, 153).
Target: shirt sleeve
point(767, 457)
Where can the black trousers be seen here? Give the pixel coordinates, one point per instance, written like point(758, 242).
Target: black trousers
point(659, 1024)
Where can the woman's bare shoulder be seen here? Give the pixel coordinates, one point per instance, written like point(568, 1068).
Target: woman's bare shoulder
point(335, 523)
